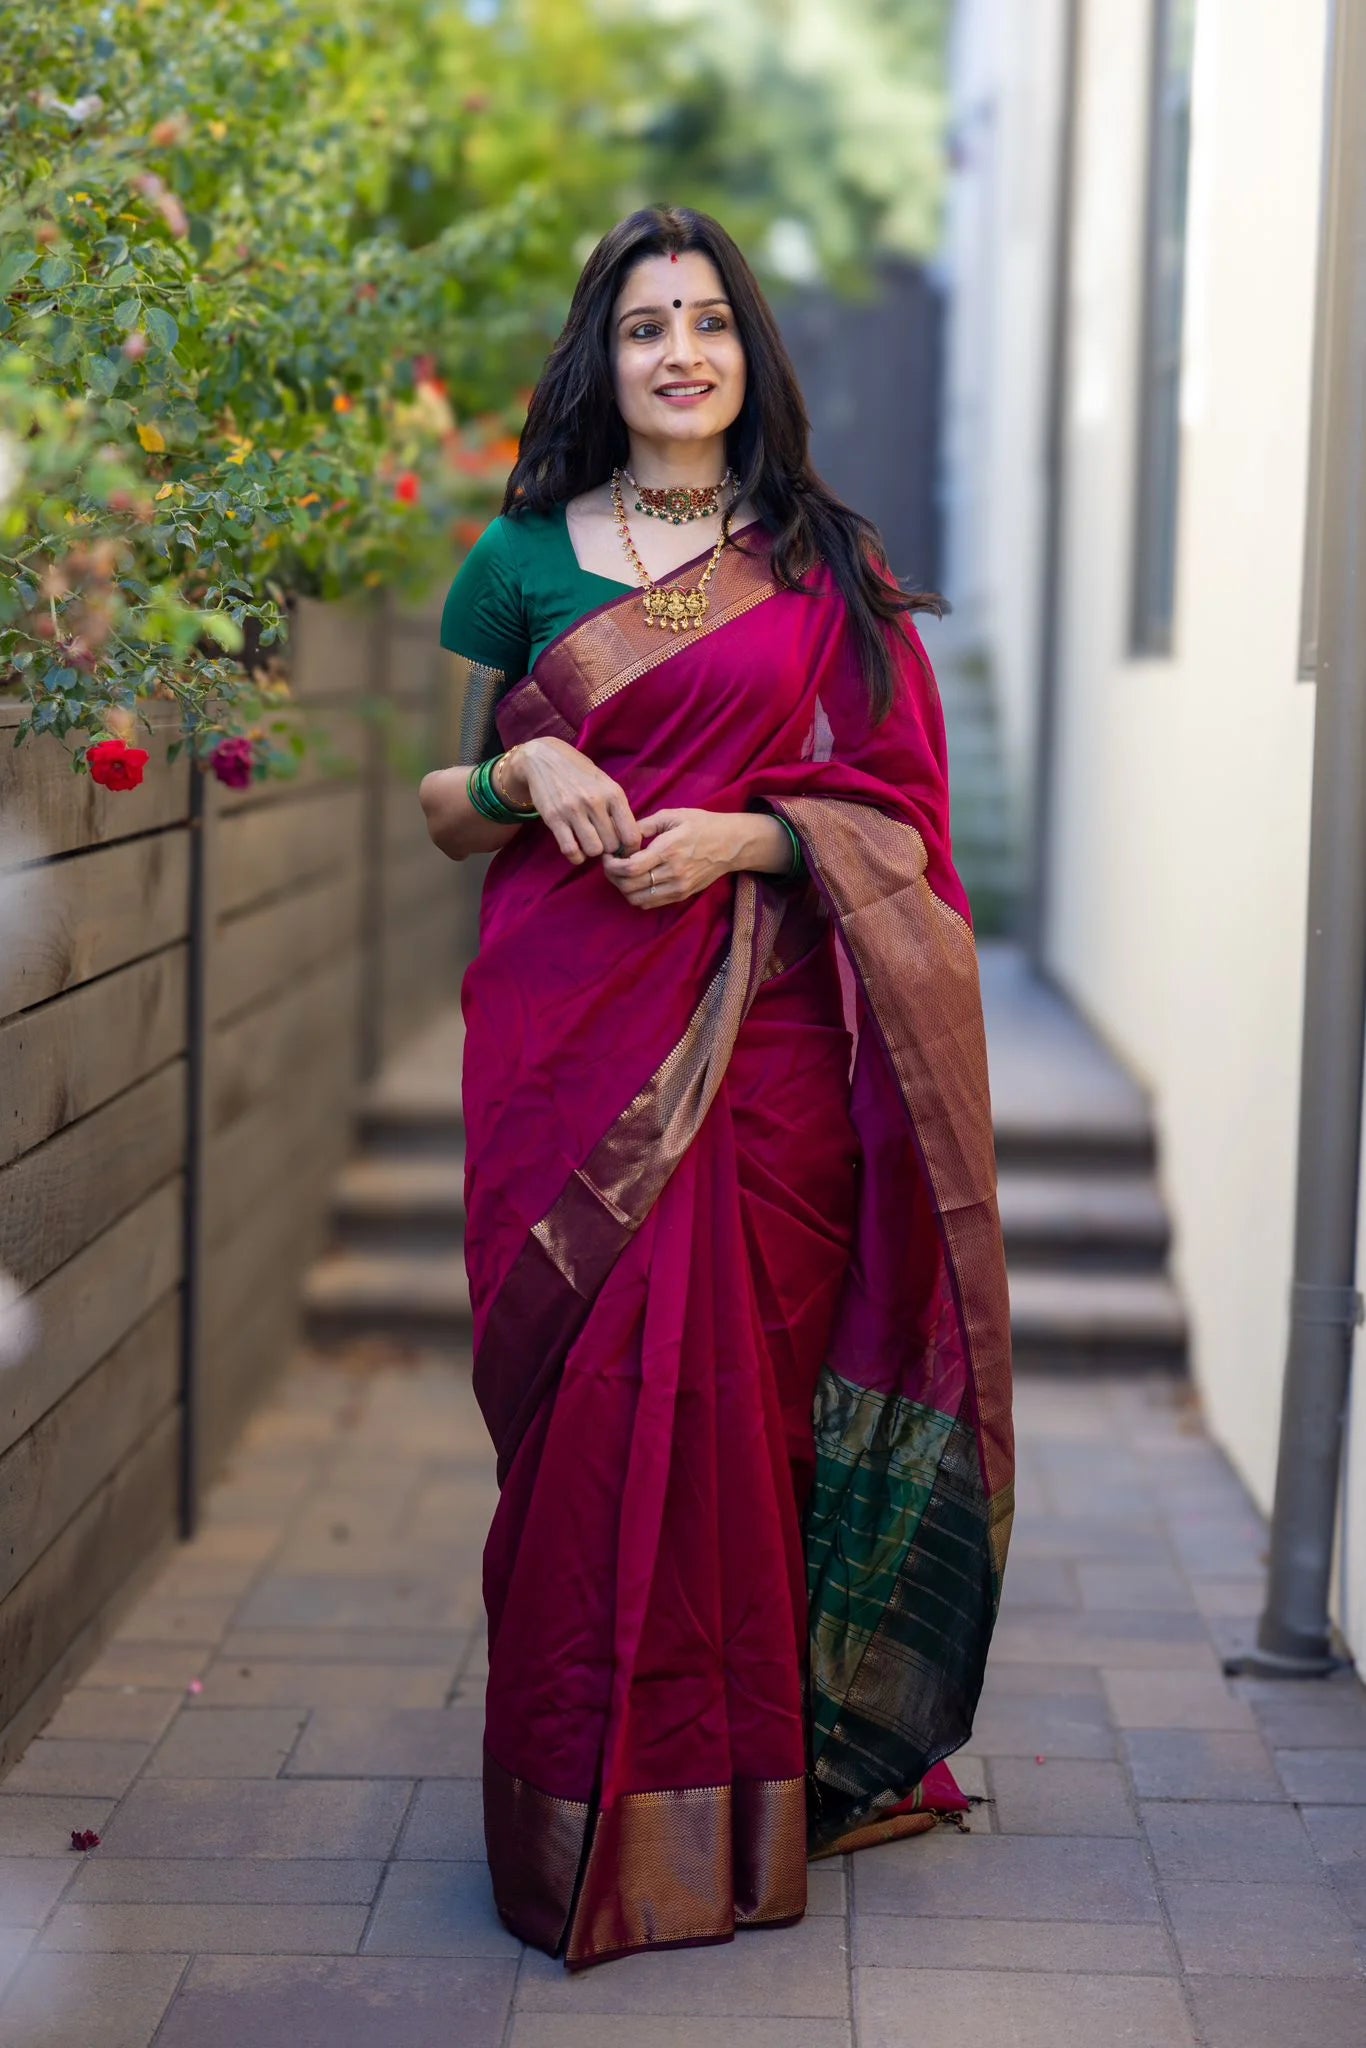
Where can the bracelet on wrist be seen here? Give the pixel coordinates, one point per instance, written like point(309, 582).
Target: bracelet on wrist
point(798, 866)
point(485, 799)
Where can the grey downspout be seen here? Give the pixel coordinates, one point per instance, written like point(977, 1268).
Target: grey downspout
point(1055, 456)
point(1294, 1638)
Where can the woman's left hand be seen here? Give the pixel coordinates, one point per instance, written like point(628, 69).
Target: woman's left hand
point(685, 852)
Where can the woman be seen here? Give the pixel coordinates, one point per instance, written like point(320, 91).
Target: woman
point(740, 1321)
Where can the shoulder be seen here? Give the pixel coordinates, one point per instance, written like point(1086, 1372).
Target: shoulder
point(482, 614)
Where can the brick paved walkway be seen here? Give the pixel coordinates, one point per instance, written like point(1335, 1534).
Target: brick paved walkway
point(291, 1853)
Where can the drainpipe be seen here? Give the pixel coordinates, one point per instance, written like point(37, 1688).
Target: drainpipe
point(1294, 1637)
point(1034, 921)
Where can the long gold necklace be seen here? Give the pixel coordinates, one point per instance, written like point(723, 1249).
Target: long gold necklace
point(674, 606)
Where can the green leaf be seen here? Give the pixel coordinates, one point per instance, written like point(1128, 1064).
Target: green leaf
point(101, 375)
point(126, 312)
point(224, 630)
point(17, 264)
point(57, 271)
point(161, 327)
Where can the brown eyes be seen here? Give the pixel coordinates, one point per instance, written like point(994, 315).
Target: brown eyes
point(649, 330)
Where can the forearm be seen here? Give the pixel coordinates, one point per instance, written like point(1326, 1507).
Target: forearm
point(763, 845)
point(453, 824)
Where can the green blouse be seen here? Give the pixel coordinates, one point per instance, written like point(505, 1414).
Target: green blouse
point(519, 586)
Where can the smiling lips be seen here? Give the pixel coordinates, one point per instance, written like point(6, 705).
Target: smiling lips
point(684, 394)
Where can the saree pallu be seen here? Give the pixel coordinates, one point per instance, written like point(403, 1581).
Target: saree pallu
point(740, 1314)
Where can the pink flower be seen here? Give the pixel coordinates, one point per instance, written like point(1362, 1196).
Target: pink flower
point(234, 762)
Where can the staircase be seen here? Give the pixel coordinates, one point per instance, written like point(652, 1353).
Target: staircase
point(1086, 1229)
point(1085, 1226)
point(395, 1268)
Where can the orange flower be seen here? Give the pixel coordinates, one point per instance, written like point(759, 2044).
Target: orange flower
point(341, 403)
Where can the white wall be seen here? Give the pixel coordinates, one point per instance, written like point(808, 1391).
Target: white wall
point(1006, 76)
point(1182, 786)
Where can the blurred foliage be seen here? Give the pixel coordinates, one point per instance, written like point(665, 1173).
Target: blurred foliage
point(275, 276)
point(239, 362)
point(815, 128)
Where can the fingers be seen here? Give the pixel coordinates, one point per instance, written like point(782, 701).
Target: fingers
point(564, 838)
point(619, 817)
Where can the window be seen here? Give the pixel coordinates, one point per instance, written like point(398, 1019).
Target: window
point(1159, 421)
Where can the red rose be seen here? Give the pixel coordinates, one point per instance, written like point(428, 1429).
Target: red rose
point(115, 765)
point(408, 489)
point(234, 762)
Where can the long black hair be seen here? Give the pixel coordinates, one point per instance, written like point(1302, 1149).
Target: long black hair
point(575, 436)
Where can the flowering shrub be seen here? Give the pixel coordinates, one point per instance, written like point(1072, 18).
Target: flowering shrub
point(240, 353)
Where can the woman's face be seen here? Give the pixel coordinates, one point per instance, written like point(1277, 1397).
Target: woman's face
point(677, 362)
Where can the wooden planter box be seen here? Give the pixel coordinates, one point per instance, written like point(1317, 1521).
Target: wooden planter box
point(193, 987)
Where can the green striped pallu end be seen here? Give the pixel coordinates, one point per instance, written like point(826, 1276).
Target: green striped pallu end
point(903, 1595)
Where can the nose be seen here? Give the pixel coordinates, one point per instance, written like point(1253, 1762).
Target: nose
point(683, 351)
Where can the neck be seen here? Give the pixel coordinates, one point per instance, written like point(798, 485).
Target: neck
point(661, 464)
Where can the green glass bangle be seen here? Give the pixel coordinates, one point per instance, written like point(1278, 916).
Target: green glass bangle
point(486, 800)
point(798, 858)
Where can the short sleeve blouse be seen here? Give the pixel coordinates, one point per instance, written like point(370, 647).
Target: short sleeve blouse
point(518, 588)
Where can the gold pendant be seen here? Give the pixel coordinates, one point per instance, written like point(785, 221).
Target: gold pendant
point(677, 609)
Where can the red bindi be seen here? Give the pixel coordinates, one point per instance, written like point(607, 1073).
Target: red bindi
point(673, 255)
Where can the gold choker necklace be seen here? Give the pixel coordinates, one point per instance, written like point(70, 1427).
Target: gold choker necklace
point(674, 608)
point(679, 503)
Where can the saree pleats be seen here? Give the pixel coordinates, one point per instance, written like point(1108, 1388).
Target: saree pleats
point(671, 1604)
point(741, 1330)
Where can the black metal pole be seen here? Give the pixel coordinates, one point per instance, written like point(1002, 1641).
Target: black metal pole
point(192, 1213)
point(1294, 1638)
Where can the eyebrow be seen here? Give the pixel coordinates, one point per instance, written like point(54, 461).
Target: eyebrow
point(694, 306)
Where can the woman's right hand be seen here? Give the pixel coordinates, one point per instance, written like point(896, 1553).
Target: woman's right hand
point(586, 810)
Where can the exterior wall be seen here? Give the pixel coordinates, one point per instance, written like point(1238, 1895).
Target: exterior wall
point(1007, 66)
point(1181, 786)
point(137, 1118)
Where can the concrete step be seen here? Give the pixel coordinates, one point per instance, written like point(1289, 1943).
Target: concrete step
point(402, 1199)
point(1115, 1222)
point(412, 1128)
point(1057, 1139)
point(1096, 1322)
point(354, 1293)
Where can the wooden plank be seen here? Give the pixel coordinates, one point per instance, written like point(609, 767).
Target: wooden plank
point(57, 811)
point(53, 1470)
point(65, 1191)
point(278, 1238)
point(256, 953)
point(91, 1302)
point(133, 1511)
point(421, 877)
point(333, 649)
point(250, 1154)
point(404, 822)
point(272, 849)
point(85, 1646)
point(63, 1059)
point(241, 1361)
point(254, 1058)
point(338, 750)
point(75, 918)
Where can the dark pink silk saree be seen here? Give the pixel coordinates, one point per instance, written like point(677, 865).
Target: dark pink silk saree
point(741, 1327)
